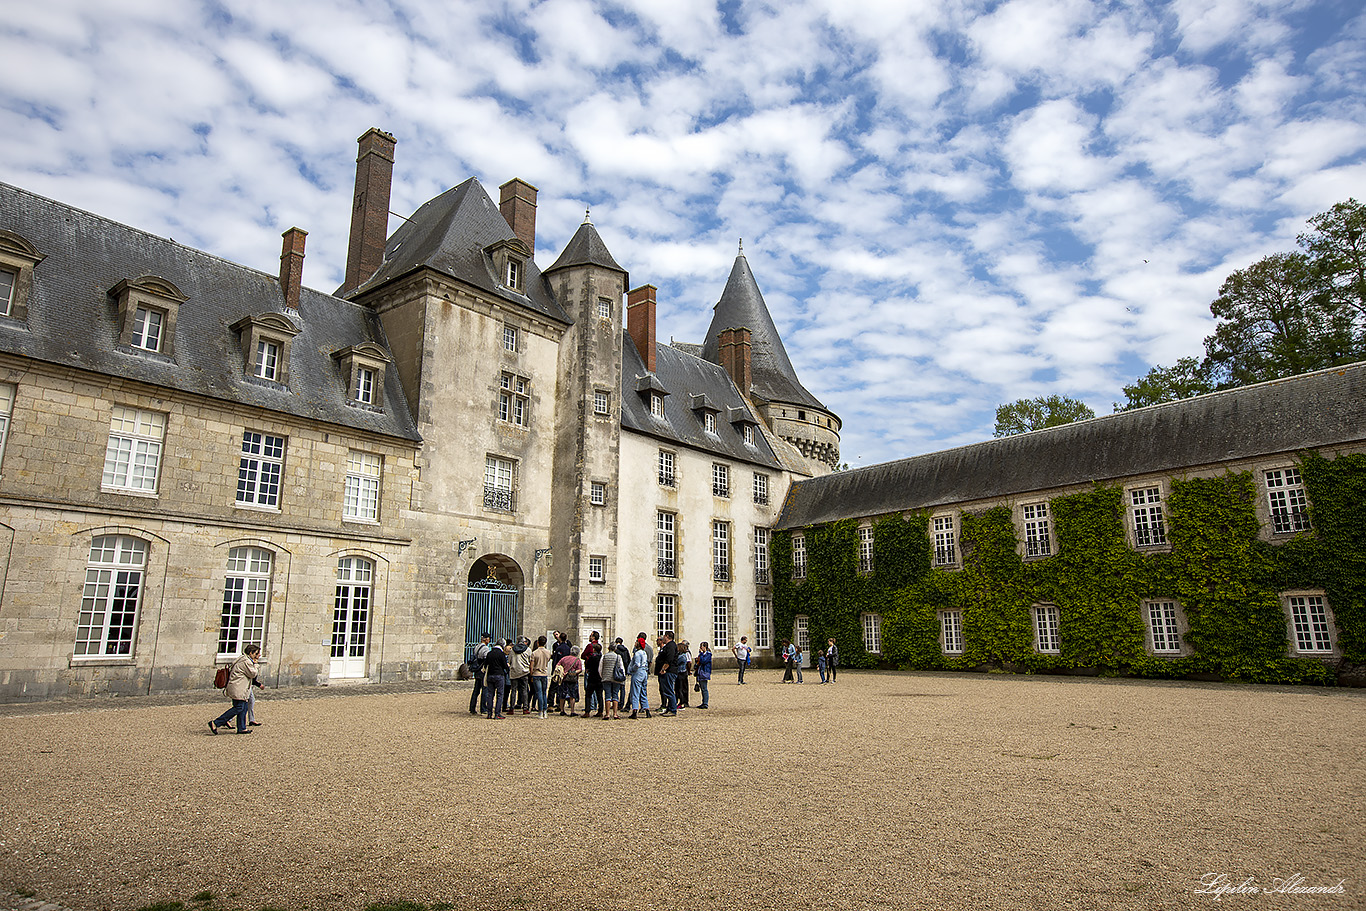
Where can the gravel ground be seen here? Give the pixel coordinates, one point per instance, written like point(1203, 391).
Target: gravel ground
point(885, 790)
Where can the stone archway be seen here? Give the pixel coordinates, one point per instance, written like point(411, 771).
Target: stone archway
point(493, 600)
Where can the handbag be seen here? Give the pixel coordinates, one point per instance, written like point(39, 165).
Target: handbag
point(220, 677)
point(619, 673)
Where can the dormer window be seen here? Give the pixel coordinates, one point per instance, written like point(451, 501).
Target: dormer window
point(362, 368)
point(147, 310)
point(510, 258)
point(749, 434)
point(657, 405)
point(267, 359)
point(17, 259)
point(709, 421)
point(266, 340)
point(514, 275)
point(9, 281)
point(706, 411)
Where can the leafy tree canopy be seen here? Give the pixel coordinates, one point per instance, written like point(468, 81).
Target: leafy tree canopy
point(1167, 384)
point(1034, 414)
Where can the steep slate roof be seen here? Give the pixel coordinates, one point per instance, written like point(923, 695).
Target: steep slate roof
point(73, 321)
point(586, 248)
point(449, 234)
point(1316, 410)
point(741, 305)
point(685, 377)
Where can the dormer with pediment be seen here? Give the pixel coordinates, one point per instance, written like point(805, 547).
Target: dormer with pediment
point(362, 370)
point(17, 259)
point(266, 339)
point(147, 309)
point(510, 257)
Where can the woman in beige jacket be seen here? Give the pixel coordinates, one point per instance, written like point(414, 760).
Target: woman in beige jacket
point(245, 672)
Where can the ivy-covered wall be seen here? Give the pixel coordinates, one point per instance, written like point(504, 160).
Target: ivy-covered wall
point(1226, 578)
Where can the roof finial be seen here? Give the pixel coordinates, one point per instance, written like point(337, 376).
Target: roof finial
point(586, 219)
point(742, 246)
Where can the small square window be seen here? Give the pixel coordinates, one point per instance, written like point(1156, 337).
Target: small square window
point(602, 403)
point(597, 493)
point(596, 569)
point(604, 309)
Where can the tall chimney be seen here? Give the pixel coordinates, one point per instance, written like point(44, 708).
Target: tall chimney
point(517, 202)
point(640, 322)
point(370, 213)
point(292, 266)
point(736, 353)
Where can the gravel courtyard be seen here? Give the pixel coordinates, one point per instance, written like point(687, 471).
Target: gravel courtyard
point(885, 790)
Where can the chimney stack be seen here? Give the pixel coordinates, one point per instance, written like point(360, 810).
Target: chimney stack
point(292, 266)
point(735, 351)
point(517, 202)
point(370, 212)
point(640, 322)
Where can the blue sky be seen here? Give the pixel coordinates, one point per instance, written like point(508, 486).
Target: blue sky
point(947, 205)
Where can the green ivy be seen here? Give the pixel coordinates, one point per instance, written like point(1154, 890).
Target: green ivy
point(1226, 578)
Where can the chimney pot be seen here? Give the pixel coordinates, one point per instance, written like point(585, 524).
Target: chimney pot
point(370, 212)
point(292, 266)
point(640, 322)
point(517, 202)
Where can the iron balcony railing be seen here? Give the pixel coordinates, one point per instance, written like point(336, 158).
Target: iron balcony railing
point(720, 573)
point(666, 479)
point(665, 568)
point(500, 498)
point(761, 577)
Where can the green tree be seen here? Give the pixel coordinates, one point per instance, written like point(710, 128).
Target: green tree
point(1336, 248)
point(1023, 415)
point(1167, 384)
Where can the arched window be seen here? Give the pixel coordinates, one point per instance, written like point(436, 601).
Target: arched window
point(246, 592)
point(111, 597)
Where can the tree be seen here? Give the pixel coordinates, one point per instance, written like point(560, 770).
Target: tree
point(1167, 384)
point(1023, 415)
point(1337, 252)
point(1275, 321)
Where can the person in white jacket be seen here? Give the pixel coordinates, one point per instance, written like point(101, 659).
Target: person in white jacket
point(245, 672)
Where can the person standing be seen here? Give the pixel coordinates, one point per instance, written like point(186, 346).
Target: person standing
point(608, 665)
point(682, 666)
point(639, 669)
point(592, 676)
point(820, 664)
point(702, 669)
point(742, 656)
point(243, 674)
point(569, 687)
point(540, 675)
point(496, 680)
point(519, 688)
point(797, 662)
point(477, 668)
point(788, 652)
point(665, 663)
point(832, 659)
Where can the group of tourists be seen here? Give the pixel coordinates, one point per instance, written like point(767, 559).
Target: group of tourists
point(606, 677)
point(827, 661)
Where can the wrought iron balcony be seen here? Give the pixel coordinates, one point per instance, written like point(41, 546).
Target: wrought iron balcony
point(720, 490)
point(665, 568)
point(761, 577)
point(666, 479)
point(500, 498)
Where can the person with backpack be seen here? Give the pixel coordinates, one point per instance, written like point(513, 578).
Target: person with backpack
point(476, 665)
point(243, 673)
point(496, 680)
point(702, 670)
point(612, 670)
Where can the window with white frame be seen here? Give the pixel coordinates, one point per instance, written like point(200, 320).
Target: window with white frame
point(147, 328)
point(597, 494)
point(111, 597)
point(597, 569)
point(602, 403)
point(1145, 511)
point(720, 551)
point(945, 541)
point(709, 422)
point(665, 545)
point(763, 623)
point(514, 399)
point(761, 555)
point(666, 468)
point(365, 386)
point(1286, 497)
point(720, 623)
point(509, 338)
point(605, 309)
point(1311, 623)
point(748, 432)
point(801, 635)
point(1164, 626)
point(147, 309)
point(500, 483)
point(760, 489)
point(351, 607)
point(951, 631)
point(246, 593)
point(1046, 637)
point(657, 405)
point(865, 549)
point(267, 359)
point(1038, 541)
point(799, 556)
point(720, 480)
point(666, 614)
point(872, 633)
point(266, 343)
point(362, 372)
point(260, 468)
point(132, 460)
point(513, 277)
point(18, 258)
point(7, 391)
point(361, 502)
point(9, 281)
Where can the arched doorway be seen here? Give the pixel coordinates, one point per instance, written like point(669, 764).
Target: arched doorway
point(493, 600)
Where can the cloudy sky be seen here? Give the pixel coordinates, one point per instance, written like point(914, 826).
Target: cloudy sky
point(948, 204)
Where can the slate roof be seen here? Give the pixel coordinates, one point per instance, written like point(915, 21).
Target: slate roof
point(450, 234)
point(586, 248)
point(73, 320)
point(1316, 410)
point(742, 306)
point(686, 378)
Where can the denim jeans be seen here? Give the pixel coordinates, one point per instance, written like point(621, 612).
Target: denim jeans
point(703, 681)
point(497, 689)
point(238, 711)
point(538, 692)
point(475, 703)
point(640, 694)
point(517, 691)
point(668, 684)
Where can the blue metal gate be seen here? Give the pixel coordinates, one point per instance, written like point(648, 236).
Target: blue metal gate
point(490, 607)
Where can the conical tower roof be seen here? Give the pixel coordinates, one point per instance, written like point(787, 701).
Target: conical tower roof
point(742, 306)
point(586, 248)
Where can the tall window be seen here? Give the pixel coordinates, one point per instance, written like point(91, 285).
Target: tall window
point(720, 551)
point(763, 623)
point(1046, 638)
point(110, 599)
point(1145, 507)
point(267, 359)
point(132, 459)
point(865, 549)
point(656, 405)
point(363, 471)
point(351, 608)
point(1310, 621)
point(1289, 505)
point(720, 623)
point(666, 613)
point(872, 633)
point(258, 472)
point(500, 476)
point(365, 385)
point(799, 556)
point(147, 328)
point(951, 631)
point(748, 432)
point(945, 541)
point(720, 480)
point(709, 422)
point(597, 569)
point(801, 633)
point(760, 489)
point(6, 409)
point(509, 338)
point(1163, 629)
point(514, 275)
point(666, 468)
point(1037, 540)
point(514, 399)
point(761, 555)
point(246, 592)
point(664, 544)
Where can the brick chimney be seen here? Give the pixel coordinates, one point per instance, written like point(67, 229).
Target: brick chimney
point(517, 202)
point(735, 351)
point(370, 213)
point(640, 322)
point(292, 266)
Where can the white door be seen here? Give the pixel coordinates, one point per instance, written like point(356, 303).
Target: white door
point(602, 625)
point(351, 617)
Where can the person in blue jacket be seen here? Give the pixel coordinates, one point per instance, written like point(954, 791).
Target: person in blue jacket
point(702, 670)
